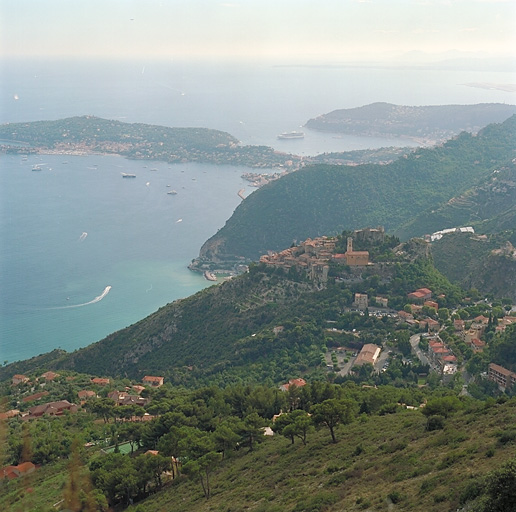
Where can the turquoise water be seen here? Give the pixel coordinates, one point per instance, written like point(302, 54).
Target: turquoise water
point(134, 242)
point(75, 228)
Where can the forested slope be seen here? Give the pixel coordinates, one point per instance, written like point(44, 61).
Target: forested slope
point(328, 199)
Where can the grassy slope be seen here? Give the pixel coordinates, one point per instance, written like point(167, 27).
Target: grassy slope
point(399, 461)
point(428, 470)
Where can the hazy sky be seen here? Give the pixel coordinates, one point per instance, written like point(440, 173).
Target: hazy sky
point(288, 29)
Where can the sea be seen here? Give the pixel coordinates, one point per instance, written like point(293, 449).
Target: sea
point(85, 252)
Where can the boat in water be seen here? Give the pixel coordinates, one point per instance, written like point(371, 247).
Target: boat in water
point(126, 175)
point(291, 135)
point(172, 192)
point(36, 168)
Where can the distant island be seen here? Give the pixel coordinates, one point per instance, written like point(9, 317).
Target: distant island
point(426, 124)
point(89, 134)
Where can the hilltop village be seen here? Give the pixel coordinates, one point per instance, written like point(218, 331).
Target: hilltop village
point(358, 340)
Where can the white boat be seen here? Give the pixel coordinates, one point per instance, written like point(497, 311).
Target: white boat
point(36, 168)
point(126, 175)
point(291, 135)
point(172, 192)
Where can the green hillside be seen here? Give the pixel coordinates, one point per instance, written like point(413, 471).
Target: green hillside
point(326, 199)
point(436, 122)
point(441, 453)
point(87, 134)
point(225, 333)
point(486, 263)
point(380, 463)
point(489, 206)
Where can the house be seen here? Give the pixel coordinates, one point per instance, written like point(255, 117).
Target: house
point(361, 301)
point(433, 325)
point(355, 258)
point(477, 345)
point(138, 388)
point(122, 398)
point(152, 381)
point(9, 414)
point(84, 394)
point(459, 325)
point(10, 472)
point(295, 383)
point(421, 294)
point(431, 304)
point(100, 381)
point(49, 376)
point(403, 315)
point(19, 379)
point(51, 408)
point(36, 396)
point(503, 377)
point(382, 301)
point(368, 354)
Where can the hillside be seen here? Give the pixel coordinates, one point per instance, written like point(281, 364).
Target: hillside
point(225, 333)
point(380, 463)
point(89, 134)
point(486, 262)
point(326, 199)
point(437, 122)
point(489, 206)
point(451, 454)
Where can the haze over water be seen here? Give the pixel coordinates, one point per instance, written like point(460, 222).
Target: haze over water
point(139, 239)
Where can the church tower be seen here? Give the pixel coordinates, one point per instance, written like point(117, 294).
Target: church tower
point(350, 244)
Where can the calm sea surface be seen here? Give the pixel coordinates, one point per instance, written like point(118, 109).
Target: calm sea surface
point(75, 228)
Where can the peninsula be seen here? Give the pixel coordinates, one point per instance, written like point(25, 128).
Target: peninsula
point(425, 124)
point(89, 134)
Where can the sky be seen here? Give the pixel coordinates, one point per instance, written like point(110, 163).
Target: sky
point(284, 29)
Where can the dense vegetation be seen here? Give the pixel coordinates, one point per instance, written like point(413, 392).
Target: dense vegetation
point(486, 263)
point(137, 140)
point(235, 340)
point(435, 122)
point(489, 206)
point(326, 199)
point(361, 448)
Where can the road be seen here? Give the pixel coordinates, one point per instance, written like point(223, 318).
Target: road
point(414, 341)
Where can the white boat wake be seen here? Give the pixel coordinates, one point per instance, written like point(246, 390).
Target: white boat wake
point(96, 299)
point(83, 236)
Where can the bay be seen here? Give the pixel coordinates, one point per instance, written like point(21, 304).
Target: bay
point(77, 227)
point(139, 240)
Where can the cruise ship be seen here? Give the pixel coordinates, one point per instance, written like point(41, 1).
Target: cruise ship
point(291, 135)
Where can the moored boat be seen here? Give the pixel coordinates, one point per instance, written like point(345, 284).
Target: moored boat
point(291, 135)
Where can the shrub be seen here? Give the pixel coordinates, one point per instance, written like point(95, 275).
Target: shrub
point(435, 422)
point(395, 496)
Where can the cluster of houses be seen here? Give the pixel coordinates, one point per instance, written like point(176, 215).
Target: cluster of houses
point(442, 356)
point(419, 299)
point(314, 255)
point(58, 408)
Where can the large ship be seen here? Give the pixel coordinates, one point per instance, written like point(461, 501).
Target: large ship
point(291, 135)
